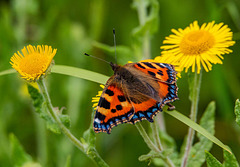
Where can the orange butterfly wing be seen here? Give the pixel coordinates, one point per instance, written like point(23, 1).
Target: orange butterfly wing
point(165, 76)
point(136, 91)
point(113, 108)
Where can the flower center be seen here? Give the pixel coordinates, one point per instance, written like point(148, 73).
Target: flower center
point(196, 42)
point(34, 63)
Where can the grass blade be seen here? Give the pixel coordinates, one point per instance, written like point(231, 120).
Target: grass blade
point(197, 128)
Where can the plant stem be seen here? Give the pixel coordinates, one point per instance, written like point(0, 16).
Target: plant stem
point(41, 140)
point(90, 151)
point(194, 97)
point(146, 138)
point(156, 135)
point(151, 145)
point(158, 141)
point(160, 121)
point(142, 16)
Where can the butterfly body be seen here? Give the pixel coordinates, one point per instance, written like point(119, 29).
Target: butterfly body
point(136, 91)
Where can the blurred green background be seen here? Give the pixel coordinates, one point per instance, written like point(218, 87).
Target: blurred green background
point(76, 27)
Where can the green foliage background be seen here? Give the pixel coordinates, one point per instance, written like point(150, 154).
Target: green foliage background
point(76, 27)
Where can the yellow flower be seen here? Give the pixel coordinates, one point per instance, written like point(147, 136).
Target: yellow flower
point(196, 46)
point(95, 99)
point(34, 62)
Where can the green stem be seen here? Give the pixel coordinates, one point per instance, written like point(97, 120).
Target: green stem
point(146, 138)
point(156, 135)
point(151, 145)
point(142, 16)
point(41, 140)
point(160, 121)
point(194, 97)
point(90, 151)
point(159, 144)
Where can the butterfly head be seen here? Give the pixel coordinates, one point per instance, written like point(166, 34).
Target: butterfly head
point(115, 67)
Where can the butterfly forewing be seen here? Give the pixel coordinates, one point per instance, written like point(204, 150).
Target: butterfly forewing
point(160, 71)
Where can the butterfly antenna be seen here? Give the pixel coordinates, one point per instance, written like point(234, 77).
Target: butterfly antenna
point(97, 58)
point(114, 40)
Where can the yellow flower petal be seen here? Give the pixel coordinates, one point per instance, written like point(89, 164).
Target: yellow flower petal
point(197, 46)
point(33, 62)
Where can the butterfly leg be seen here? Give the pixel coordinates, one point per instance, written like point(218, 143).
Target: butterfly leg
point(171, 107)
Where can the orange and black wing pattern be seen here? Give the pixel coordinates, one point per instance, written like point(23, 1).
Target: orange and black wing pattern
point(136, 92)
point(165, 76)
point(113, 108)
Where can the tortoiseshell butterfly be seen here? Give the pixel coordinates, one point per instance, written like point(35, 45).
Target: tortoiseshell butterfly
point(136, 92)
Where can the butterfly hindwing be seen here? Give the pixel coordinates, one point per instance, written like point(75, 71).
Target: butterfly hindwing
point(113, 108)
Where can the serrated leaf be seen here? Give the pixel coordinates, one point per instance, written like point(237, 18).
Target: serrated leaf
point(41, 109)
point(37, 98)
point(167, 140)
point(196, 156)
point(53, 127)
point(89, 135)
point(229, 160)
point(237, 111)
point(211, 160)
point(65, 119)
point(19, 156)
point(151, 155)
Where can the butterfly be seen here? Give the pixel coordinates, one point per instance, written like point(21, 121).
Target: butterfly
point(136, 92)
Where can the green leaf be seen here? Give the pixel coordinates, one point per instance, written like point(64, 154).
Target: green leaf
point(148, 14)
point(197, 128)
point(89, 135)
point(71, 71)
point(68, 162)
point(151, 22)
point(157, 158)
point(237, 111)
point(196, 156)
point(36, 97)
point(65, 119)
point(31, 164)
point(229, 160)
point(211, 160)
point(9, 71)
point(79, 73)
point(169, 143)
point(41, 109)
point(152, 155)
point(19, 156)
point(167, 140)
